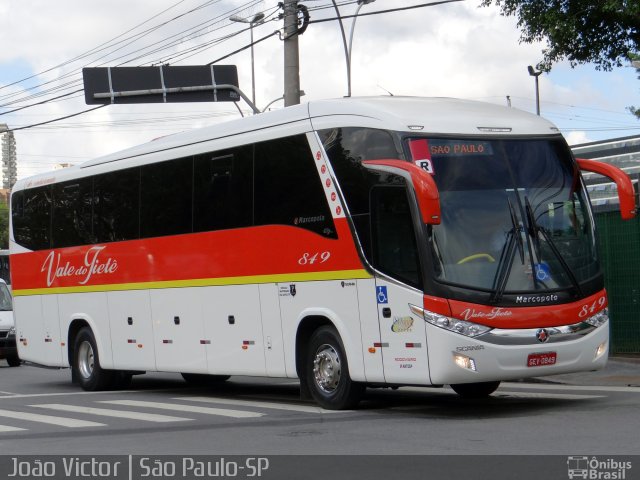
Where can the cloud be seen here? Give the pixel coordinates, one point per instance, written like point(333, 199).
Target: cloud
point(457, 50)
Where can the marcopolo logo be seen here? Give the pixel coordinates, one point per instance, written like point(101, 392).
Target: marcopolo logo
point(595, 468)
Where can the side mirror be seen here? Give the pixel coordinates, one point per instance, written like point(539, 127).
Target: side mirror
point(626, 193)
point(423, 184)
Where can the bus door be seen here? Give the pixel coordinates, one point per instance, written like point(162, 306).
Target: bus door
point(394, 253)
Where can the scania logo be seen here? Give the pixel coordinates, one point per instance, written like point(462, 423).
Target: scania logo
point(542, 335)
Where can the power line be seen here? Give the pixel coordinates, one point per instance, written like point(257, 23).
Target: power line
point(390, 10)
point(55, 119)
point(132, 39)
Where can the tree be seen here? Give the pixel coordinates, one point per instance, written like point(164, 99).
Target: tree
point(603, 32)
point(635, 58)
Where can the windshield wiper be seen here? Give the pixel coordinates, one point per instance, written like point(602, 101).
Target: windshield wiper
point(534, 229)
point(507, 255)
point(516, 229)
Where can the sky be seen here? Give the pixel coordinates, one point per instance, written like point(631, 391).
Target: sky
point(457, 50)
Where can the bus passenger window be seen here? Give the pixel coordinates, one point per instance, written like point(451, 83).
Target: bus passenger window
point(288, 190)
point(32, 220)
point(223, 190)
point(72, 205)
point(116, 206)
point(166, 198)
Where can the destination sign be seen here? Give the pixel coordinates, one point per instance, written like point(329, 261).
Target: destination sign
point(459, 148)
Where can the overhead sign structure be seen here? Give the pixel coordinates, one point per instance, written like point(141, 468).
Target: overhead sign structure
point(161, 84)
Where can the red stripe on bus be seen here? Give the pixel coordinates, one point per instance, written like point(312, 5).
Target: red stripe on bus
point(530, 317)
point(264, 250)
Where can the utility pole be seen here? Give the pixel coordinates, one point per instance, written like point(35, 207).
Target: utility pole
point(291, 54)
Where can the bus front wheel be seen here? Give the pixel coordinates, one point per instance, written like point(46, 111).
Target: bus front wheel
point(86, 363)
point(327, 372)
point(475, 390)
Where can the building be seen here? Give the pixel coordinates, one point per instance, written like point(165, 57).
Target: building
point(618, 240)
point(9, 158)
point(622, 152)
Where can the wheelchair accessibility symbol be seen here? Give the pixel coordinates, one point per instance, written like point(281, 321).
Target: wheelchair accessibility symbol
point(542, 272)
point(381, 294)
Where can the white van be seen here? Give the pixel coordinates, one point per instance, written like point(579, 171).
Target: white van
point(8, 348)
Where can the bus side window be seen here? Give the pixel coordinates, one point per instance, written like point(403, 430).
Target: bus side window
point(393, 238)
point(166, 192)
point(72, 206)
point(32, 218)
point(116, 206)
point(20, 234)
point(287, 187)
point(223, 190)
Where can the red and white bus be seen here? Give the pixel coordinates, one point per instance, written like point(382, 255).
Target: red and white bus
point(351, 242)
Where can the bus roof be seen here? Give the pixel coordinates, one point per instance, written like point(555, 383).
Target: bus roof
point(436, 116)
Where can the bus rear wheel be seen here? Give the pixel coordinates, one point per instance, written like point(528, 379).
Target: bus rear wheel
point(327, 372)
point(475, 390)
point(86, 363)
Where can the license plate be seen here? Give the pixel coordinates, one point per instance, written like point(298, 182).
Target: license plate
point(541, 359)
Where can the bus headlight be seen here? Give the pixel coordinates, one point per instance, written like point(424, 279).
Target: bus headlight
point(464, 362)
point(599, 318)
point(455, 325)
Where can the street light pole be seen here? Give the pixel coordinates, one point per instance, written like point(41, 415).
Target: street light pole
point(536, 73)
point(257, 19)
point(291, 54)
point(347, 49)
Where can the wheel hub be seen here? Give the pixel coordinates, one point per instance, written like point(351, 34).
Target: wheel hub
point(327, 369)
point(85, 359)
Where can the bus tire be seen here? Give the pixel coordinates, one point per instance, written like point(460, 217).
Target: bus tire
point(13, 361)
point(86, 363)
point(327, 372)
point(475, 390)
point(202, 379)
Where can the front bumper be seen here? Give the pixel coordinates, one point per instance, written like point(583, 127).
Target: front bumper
point(505, 361)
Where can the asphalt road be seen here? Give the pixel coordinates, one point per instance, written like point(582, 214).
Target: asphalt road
point(41, 412)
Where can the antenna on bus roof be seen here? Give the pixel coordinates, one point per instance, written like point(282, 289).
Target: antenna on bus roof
point(382, 88)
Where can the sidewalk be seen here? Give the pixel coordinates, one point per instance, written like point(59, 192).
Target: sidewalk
point(619, 372)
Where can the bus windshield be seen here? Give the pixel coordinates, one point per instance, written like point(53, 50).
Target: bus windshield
point(515, 215)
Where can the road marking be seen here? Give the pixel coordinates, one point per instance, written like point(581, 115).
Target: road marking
point(504, 393)
point(60, 421)
point(36, 395)
point(6, 393)
point(147, 417)
point(558, 396)
point(580, 388)
point(276, 406)
point(6, 428)
point(185, 408)
point(532, 386)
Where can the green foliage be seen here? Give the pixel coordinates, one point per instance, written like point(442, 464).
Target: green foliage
point(4, 225)
point(635, 58)
point(603, 32)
